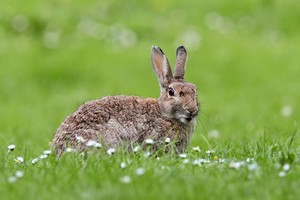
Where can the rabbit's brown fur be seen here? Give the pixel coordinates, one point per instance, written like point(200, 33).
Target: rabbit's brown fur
point(123, 120)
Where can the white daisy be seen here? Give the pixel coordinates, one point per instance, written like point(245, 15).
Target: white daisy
point(19, 174)
point(11, 147)
point(140, 171)
point(210, 151)
point(182, 155)
point(12, 179)
point(111, 151)
point(147, 154)
point(34, 161)
point(236, 165)
point(47, 152)
point(253, 166)
point(197, 149)
point(282, 173)
point(287, 111)
point(167, 140)
point(43, 156)
point(221, 160)
point(135, 149)
point(185, 161)
point(79, 139)
point(125, 179)
point(286, 167)
point(90, 143)
point(149, 141)
point(97, 145)
point(69, 149)
point(123, 165)
point(19, 160)
point(201, 161)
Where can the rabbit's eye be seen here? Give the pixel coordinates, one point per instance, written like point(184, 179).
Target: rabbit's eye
point(181, 94)
point(171, 92)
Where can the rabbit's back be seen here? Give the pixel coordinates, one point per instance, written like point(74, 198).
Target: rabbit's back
point(112, 120)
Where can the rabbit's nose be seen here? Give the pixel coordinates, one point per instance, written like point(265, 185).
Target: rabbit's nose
point(192, 112)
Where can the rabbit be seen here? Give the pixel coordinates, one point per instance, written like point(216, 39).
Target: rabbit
point(126, 120)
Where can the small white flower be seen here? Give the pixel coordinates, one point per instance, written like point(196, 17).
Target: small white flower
point(197, 149)
point(282, 173)
point(123, 165)
point(167, 140)
point(19, 174)
point(125, 179)
point(12, 179)
point(19, 160)
point(147, 154)
point(69, 150)
point(90, 143)
point(34, 161)
point(210, 151)
point(111, 151)
point(185, 161)
point(43, 156)
point(205, 161)
point(79, 139)
point(249, 160)
point(201, 161)
point(11, 147)
point(236, 165)
point(136, 149)
point(97, 145)
point(287, 111)
point(149, 141)
point(221, 160)
point(286, 167)
point(140, 171)
point(182, 155)
point(196, 162)
point(253, 166)
point(47, 152)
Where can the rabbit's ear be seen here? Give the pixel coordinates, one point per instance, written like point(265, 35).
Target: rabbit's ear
point(161, 67)
point(181, 58)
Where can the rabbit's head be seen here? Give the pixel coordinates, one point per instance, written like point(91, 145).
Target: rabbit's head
point(178, 99)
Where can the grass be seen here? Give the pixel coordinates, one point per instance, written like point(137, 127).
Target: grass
point(243, 57)
point(265, 170)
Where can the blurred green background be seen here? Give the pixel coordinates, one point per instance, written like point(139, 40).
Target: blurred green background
point(243, 56)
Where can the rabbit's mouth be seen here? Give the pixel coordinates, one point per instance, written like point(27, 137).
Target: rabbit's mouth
point(186, 120)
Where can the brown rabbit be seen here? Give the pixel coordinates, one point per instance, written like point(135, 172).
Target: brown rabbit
point(124, 120)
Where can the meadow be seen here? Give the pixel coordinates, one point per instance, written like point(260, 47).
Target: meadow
point(243, 57)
